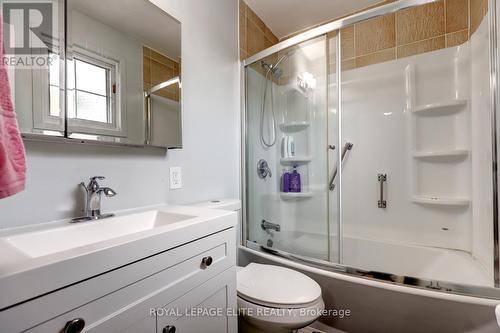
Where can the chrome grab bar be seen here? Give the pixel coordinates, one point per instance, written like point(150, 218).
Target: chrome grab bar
point(382, 177)
point(347, 146)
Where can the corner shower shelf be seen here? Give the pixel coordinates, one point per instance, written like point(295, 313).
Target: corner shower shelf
point(441, 108)
point(441, 154)
point(295, 160)
point(294, 126)
point(428, 200)
point(295, 195)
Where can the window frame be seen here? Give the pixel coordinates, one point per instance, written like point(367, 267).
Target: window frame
point(40, 81)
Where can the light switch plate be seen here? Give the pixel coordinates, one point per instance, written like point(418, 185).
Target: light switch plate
point(175, 178)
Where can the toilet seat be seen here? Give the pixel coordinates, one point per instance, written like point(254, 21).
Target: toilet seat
point(277, 287)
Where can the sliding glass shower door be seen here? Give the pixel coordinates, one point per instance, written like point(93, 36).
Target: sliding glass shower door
point(415, 111)
point(286, 132)
point(388, 123)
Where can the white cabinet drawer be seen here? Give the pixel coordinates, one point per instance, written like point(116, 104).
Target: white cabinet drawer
point(107, 304)
point(209, 308)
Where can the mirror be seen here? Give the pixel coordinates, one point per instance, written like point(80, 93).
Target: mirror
point(119, 82)
point(116, 52)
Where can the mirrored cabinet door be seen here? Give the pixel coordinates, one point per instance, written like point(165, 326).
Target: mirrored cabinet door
point(115, 78)
point(34, 51)
point(114, 58)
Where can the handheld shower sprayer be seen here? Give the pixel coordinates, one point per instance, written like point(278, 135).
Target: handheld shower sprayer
point(276, 73)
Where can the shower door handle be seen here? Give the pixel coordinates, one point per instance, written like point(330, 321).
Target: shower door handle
point(382, 178)
point(347, 146)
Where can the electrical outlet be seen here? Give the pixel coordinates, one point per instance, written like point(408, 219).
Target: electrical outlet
point(175, 178)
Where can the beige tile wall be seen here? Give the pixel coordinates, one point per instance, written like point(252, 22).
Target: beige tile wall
point(409, 32)
point(421, 29)
point(255, 36)
point(159, 68)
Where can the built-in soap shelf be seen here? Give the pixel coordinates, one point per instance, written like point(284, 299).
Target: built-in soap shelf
point(296, 142)
point(439, 138)
point(295, 160)
point(441, 108)
point(294, 126)
point(430, 200)
point(438, 154)
point(295, 195)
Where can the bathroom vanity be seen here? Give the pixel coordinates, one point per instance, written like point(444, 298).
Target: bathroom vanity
point(170, 269)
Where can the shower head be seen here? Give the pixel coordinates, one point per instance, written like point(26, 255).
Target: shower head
point(276, 71)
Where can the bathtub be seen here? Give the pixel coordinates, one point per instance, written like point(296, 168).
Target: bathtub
point(430, 263)
point(382, 307)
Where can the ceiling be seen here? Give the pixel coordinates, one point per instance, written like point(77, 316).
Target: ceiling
point(137, 18)
point(285, 17)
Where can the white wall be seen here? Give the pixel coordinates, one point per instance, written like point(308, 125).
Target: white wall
point(209, 159)
point(385, 133)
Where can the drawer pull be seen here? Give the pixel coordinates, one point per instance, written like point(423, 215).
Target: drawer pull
point(74, 326)
point(169, 329)
point(207, 261)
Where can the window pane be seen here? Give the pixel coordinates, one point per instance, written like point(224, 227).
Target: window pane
point(54, 101)
point(54, 70)
point(91, 107)
point(71, 106)
point(70, 82)
point(90, 78)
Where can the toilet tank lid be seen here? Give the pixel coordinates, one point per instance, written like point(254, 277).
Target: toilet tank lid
point(269, 284)
point(224, 204)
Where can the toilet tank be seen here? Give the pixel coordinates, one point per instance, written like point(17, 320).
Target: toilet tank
point(225, 204)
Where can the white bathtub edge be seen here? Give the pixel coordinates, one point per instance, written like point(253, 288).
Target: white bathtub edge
point(378, 284)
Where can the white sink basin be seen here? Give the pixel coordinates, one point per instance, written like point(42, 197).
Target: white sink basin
point(41, 243)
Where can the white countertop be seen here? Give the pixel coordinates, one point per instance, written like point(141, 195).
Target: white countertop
point(24, 276)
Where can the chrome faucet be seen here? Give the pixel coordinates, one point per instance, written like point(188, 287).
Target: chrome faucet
point(93, 194)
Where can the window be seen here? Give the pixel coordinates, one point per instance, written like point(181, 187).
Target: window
point(92, 91)
point(93, 100)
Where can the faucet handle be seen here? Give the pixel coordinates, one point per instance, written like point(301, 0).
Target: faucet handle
point(108, 192)
point(93, 184)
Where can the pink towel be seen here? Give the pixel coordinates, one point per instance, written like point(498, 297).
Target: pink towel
point(12, 156)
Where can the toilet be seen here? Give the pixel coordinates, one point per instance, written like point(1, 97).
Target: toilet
point(276, 299)
point(271, 298)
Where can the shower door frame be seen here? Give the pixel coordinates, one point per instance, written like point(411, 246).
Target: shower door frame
point(435, 285)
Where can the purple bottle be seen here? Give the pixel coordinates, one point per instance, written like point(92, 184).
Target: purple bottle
point(286, 181)
point(295, 180)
